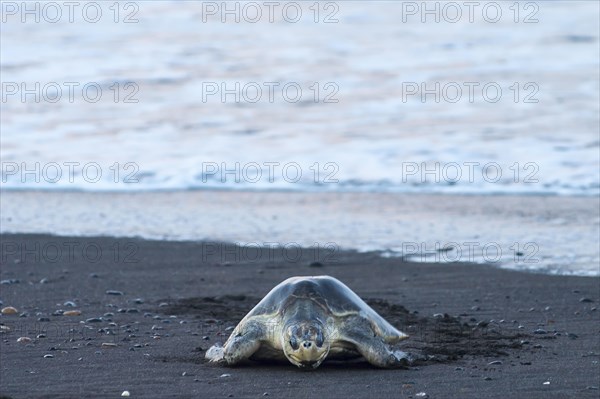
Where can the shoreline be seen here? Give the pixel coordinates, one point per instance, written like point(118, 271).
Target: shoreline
point(158, 305)
point(554, 234)
point(249, 252)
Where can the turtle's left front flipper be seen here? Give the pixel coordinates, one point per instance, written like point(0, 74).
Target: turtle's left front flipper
point(373, 348)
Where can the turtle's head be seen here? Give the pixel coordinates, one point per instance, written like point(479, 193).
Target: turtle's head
point(304, 344)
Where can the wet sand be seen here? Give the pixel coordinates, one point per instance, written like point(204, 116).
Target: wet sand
point(150, 309)
point(555, 234)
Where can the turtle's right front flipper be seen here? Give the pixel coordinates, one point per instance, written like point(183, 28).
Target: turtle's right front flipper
point(215, 354)
point(242, 344)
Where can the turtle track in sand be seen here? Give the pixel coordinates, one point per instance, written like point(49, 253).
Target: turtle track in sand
point(439, 338)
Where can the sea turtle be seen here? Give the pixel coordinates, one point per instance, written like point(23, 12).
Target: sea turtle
point(308, 319)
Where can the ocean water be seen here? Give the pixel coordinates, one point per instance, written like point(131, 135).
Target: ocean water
point(168, 103)
point(339, 96)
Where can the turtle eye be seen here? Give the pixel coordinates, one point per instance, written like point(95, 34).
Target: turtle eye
point(294, 343)
point(319, 338)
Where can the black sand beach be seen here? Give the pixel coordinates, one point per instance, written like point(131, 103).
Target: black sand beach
point(149, 310)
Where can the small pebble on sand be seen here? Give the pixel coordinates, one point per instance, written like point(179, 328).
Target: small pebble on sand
point(9, 310)
point(547, 383)
point(225, 375)
point(72, 313)
point(421, 395)
point(125, 394)
point(24, 340)
point(109, 345)
point(113, 292)
point(48, 356)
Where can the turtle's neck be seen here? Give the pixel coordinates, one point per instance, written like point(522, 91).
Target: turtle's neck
point(304, 311)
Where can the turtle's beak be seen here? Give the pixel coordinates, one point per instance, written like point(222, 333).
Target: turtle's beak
point(309, 365)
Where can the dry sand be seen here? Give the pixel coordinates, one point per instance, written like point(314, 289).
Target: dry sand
point(178, 298)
